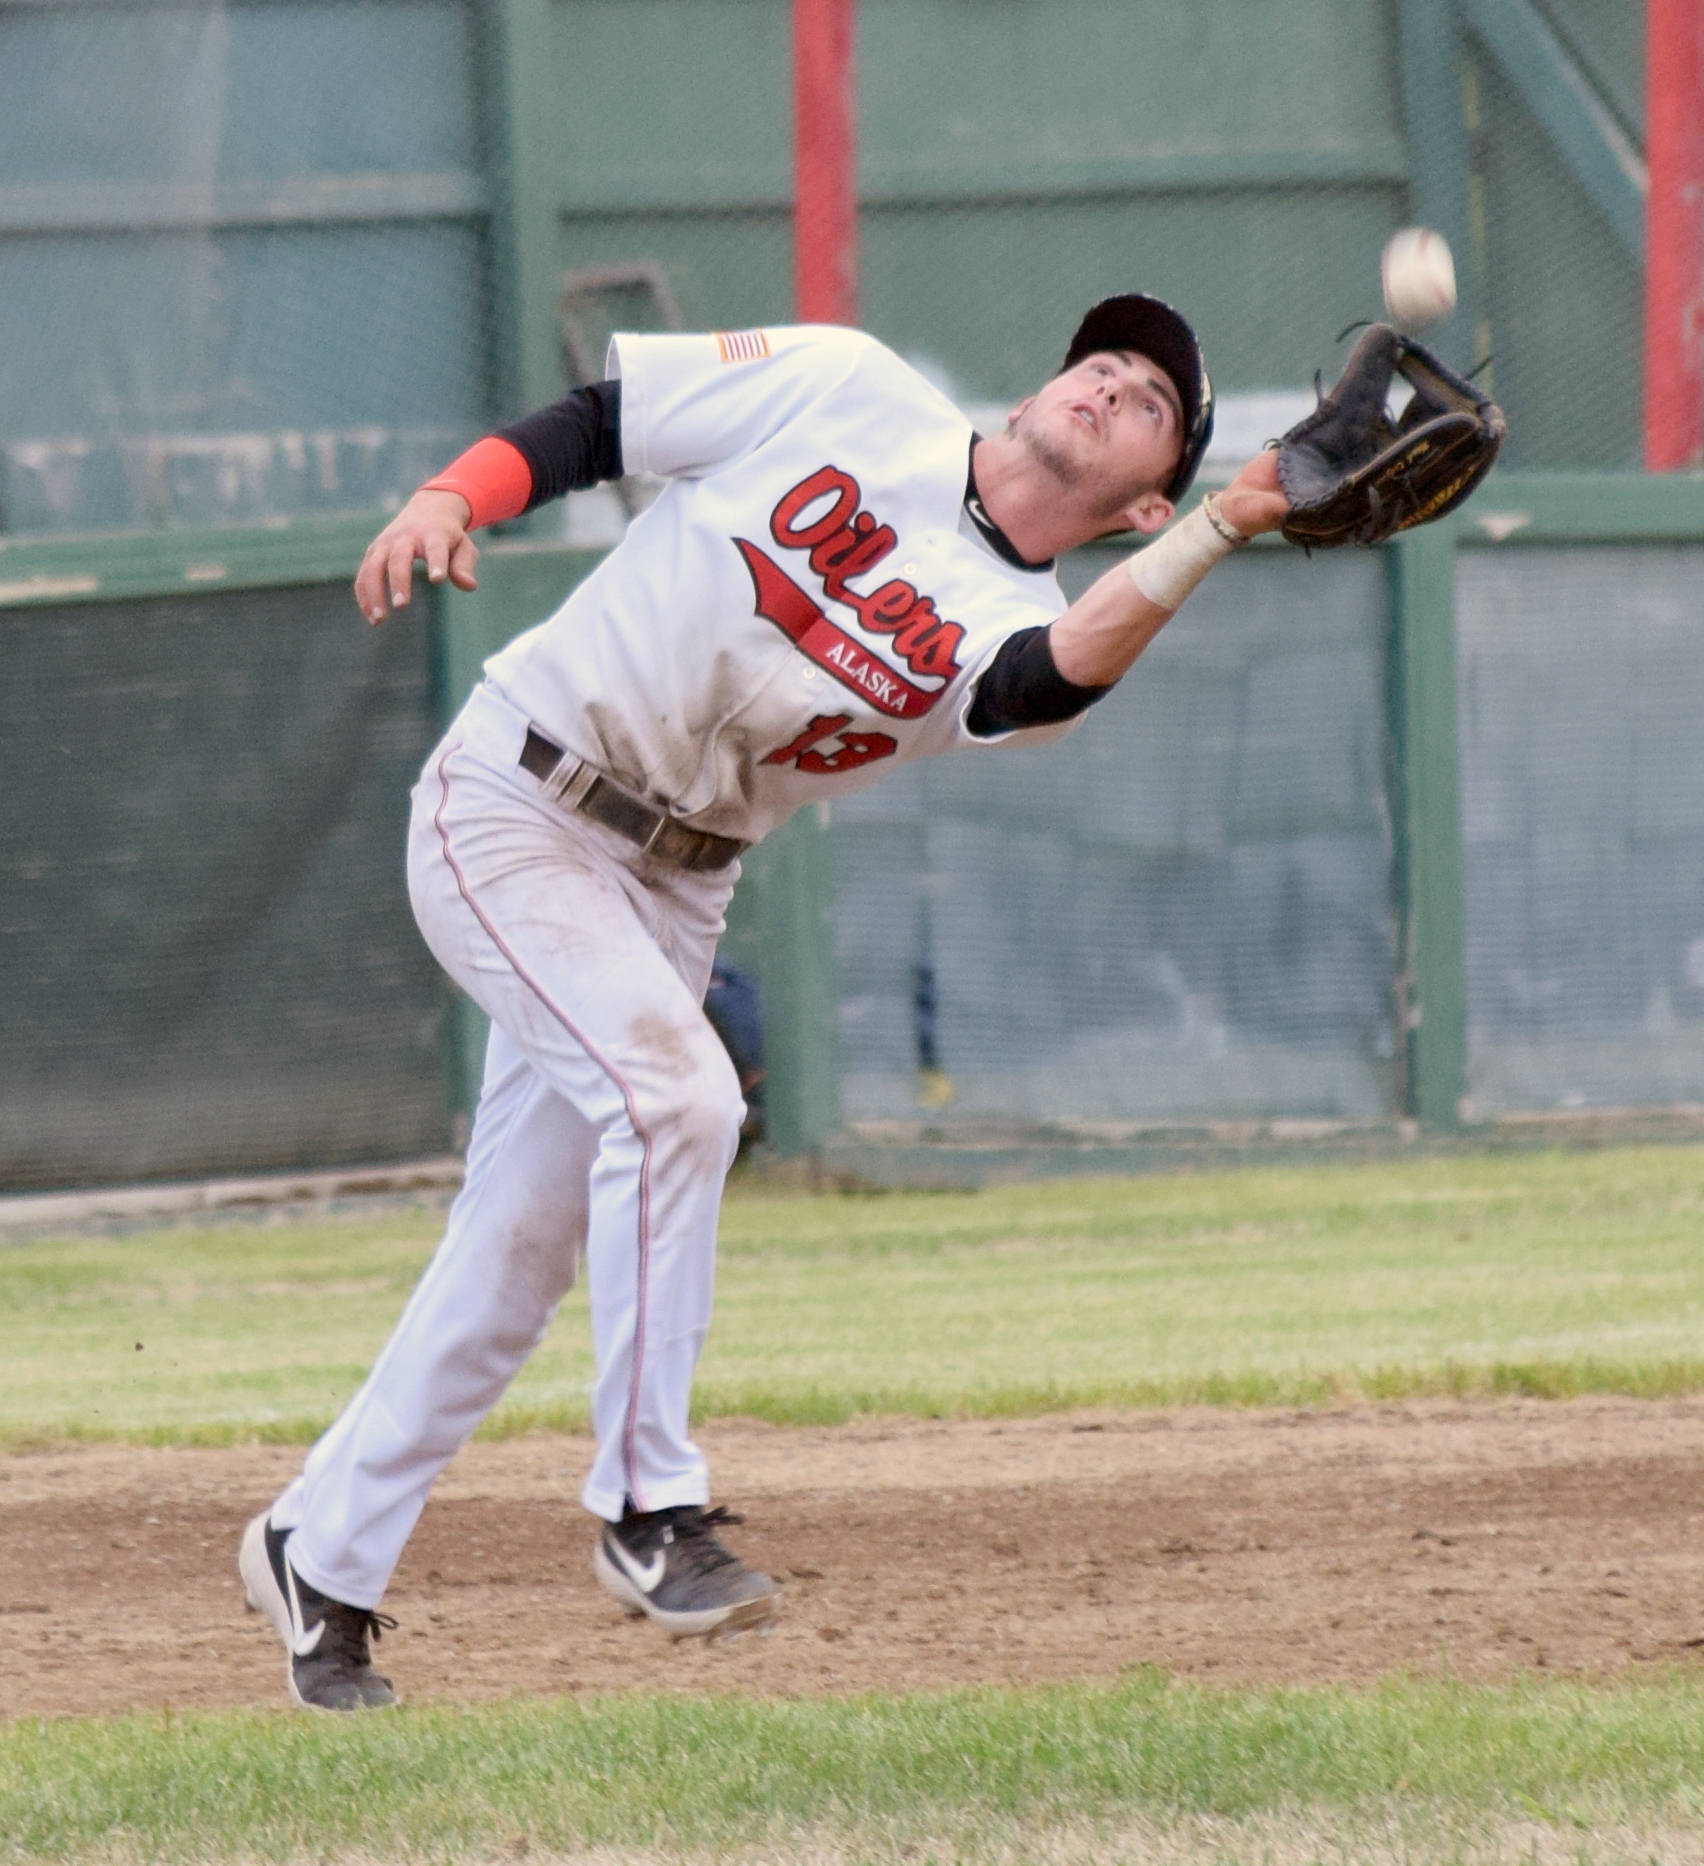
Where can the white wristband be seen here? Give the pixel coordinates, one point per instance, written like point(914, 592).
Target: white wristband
point(1169, 568)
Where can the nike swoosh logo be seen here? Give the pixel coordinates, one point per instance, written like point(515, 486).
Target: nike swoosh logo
point(302, 1642)
point(644, 1578)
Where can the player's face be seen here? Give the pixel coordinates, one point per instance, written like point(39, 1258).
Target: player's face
point(1110, 427)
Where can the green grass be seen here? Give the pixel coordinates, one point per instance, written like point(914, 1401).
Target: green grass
point(1543, 1274)
point(1550, 1274)
point(1442, 1769)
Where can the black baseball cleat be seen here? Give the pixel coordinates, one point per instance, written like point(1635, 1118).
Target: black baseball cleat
point(670, 1566)
point(331, 1666)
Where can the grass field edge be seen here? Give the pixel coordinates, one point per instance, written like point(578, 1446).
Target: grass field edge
point(783, 1404)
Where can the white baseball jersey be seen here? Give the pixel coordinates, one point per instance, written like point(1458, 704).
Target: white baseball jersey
point(807, 603)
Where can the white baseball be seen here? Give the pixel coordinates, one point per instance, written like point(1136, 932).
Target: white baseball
point(1418, 275)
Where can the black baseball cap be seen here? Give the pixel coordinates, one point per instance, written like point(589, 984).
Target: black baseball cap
point(1149, 325)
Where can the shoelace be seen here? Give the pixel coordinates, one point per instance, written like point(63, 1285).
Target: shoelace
point(349, 1628)
point(695, 1537)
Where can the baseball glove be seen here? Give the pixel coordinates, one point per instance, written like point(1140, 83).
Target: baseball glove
point(1353, 476)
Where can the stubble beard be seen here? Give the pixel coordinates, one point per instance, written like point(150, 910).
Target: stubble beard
point(1050, 454)
point(1070, 471)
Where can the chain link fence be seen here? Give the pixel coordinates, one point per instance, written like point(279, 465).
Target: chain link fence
point(1582, 739)
point(262, 263)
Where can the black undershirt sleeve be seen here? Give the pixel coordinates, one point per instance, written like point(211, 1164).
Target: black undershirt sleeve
point(572, 444)
point(1023, 687)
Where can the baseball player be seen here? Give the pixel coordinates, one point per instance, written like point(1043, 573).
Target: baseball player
point(839, 576)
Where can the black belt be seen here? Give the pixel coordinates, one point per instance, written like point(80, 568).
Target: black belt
point(581, 786)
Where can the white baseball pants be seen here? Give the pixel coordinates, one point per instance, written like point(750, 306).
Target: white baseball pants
point(607, 1122)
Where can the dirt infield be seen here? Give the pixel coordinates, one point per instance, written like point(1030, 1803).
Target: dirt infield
point(1482, 1541)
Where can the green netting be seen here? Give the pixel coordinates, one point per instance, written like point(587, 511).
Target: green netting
point(1582, 741)
point(262, 260)
point(244, 258)
point(1183, 911)
point(207, 954)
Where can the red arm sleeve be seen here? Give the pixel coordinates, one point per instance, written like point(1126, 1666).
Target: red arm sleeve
point(492, 476)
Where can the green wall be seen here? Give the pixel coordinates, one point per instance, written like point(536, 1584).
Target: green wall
point(268, 259)
point(1018, 159)
point(244, 257)
point(267, 264)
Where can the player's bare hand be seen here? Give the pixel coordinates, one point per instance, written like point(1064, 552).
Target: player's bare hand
point(1253, 501)
point(431, 530)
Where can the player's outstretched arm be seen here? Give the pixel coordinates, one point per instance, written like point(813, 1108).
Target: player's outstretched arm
point(431, 529)
point(1098, 638)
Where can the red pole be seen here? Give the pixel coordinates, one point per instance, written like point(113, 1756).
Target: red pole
point(825, 163)
point(1674, 235)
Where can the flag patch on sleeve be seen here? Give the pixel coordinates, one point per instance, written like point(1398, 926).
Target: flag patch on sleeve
point(742, 346)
